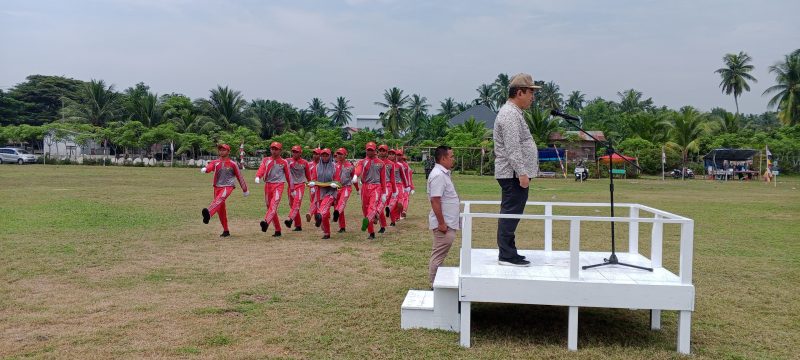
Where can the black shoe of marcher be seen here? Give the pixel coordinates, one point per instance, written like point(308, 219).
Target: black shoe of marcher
point(326, 237)
point(308, 217)
point(392, 223)
point(225, 234)
point(521, 257)
point(388, 212)
point(276, 234)
point(264, 226)
point(317, 220)
point(382, 230)
point(288, 223)
point(514, 262)
point(342, 230)
point(298, 229)
point(335, 215)
point(371, 236)
point(206, 216)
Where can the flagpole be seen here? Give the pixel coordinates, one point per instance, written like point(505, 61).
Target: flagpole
point(663, 160)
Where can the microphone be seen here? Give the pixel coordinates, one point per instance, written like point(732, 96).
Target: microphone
point(555, 112)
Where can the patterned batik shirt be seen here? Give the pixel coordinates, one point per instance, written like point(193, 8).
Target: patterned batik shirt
point(514, 149)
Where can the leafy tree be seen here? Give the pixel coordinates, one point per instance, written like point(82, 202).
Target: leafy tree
point(500, 86)
point(735, 75)
point(194, 144)
point(274, 117)
point(435, 127)
point(630, 101)
point(787, 89)
point(10, 109)
point(417, 114)
point(226, 107)
point(649, 126)
point(549, 96)
point(575, 100)
point(317, 108)
point(541, 124)
point(41, 98)
point(486, 96)
point(97, 104)
point(340, 113)
point(688, 125)
point(395, 120)
point(252, 141)
point(129, 136)
point(329, 138)
point(164, 133)
point(448, 108)
point(142, 105)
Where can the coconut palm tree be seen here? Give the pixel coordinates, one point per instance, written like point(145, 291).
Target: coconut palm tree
point(485, 96)
point(687, 126)
point(649, 126)
point(500, 86)
point(549, 96)
point(98, 104)
point(787, 89)
point(226, 107)
point(540, 123)
point(630, 101)
point(317, 108)
point(417, 113)
point(575, 100)
point(340, 112)
point(448, 108)
point(735, 75)
point(394, 118)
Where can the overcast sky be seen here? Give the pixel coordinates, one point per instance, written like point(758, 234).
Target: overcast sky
point(294, 50)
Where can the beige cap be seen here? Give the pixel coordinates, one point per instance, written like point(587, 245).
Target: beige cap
point(523, 80)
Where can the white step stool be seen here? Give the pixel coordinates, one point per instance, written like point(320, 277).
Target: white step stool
point(437, 309)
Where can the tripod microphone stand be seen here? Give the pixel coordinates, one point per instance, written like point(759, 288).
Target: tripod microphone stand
point(610, 151)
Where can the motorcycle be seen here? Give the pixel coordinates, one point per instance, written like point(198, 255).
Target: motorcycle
point(676, 174)
point(581, 172)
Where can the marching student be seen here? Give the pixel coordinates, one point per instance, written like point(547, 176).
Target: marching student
point(398, 178)
point(225, 171)
point(300, 170)
point(406, 195)
point(388, 189)
point(324, 173)
point(372, 174)
point(312, 199)
point(344, 171)
point(274, 170)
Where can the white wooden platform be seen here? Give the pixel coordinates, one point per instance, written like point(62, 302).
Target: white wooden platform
point(556, 277)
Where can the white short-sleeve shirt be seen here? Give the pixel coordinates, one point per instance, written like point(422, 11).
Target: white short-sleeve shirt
point(441, 185)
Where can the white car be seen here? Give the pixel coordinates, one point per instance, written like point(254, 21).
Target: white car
point(14, 155)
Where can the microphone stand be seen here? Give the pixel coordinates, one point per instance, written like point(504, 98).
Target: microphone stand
point(611, 260)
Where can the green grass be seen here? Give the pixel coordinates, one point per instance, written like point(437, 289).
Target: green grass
point(109, 262)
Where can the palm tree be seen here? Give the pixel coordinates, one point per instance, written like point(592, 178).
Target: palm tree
point(340, 114)
point(540, 123)
point(417, 113)
point(448, 108)
point(225, 106)
point(787, 90)
point(98, 104)
point(688, 125)
point(500, 86)
point(485, 96)
point(148, 109)
point(728, 122)
point(462, 106)
point(735, 75)
point(394, 118)
point(649, 126)
point(474, 127)
point(549, 96)
point(317, 108)
point(575, 100)
point(630, 101)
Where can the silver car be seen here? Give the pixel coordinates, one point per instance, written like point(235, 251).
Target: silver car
point(14, 155)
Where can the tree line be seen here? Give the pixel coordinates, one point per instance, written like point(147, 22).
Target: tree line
point(132, 120)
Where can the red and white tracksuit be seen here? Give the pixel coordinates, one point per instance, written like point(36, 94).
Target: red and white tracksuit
point(344, 172)
point(326, 196)
point(400, 184)
point(410, 179)
point(312, 197)
point(389, 189)
point(274, 171)
point(225, 172)
point(300, 170)
point(373, 182)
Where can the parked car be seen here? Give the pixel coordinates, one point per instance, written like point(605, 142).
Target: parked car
point(14, 155)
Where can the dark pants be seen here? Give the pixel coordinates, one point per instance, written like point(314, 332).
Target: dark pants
point(513, 201)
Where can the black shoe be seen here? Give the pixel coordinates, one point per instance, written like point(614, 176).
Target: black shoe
point(308, 217)
point(225, 234)
point(392, 224)
point(276, 234)
point(387, 211)
point(341, 230)
point(371, 236)
point(298, 229)
point(514, 262)
point(288, 223)
point(522, 257)
point(382, 230)
point(317, 220)
point(335, 215)
point(206, 216)
point(326, 237)
point(264, 226)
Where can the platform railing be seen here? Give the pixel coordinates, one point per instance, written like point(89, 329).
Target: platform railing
point(633, 219)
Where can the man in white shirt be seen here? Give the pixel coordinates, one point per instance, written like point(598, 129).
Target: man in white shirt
point(445, 208)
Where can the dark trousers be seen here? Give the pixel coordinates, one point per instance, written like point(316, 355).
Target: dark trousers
point(513, 201)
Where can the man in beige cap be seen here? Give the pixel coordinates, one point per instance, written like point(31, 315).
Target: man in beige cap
point(516, 162)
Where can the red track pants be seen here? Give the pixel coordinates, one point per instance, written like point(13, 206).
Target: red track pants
point(272, 198)
point(341, 203)
point(370, 198)
point(325, 209)
point(221, 193)
point(297, 193)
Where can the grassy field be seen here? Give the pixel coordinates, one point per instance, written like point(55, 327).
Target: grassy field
point(109, 262)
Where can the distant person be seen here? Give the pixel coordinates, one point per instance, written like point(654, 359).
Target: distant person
point(516, 162)
point(274, 170)
point(226, 173)
point(443, 220)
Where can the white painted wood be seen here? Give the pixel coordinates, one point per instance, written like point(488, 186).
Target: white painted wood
point(417, 310)
point(465, 323)
point(466, 244)
point(656, 243)
point(633, 231)
point(445, 304)
point(572, 329)
point(574, 249)
point(684, 332)
point(446, 277)
point(548, 228)
point(687, 252)
point(655, 319)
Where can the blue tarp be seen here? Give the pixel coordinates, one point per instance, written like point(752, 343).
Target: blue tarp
point(550, 154)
